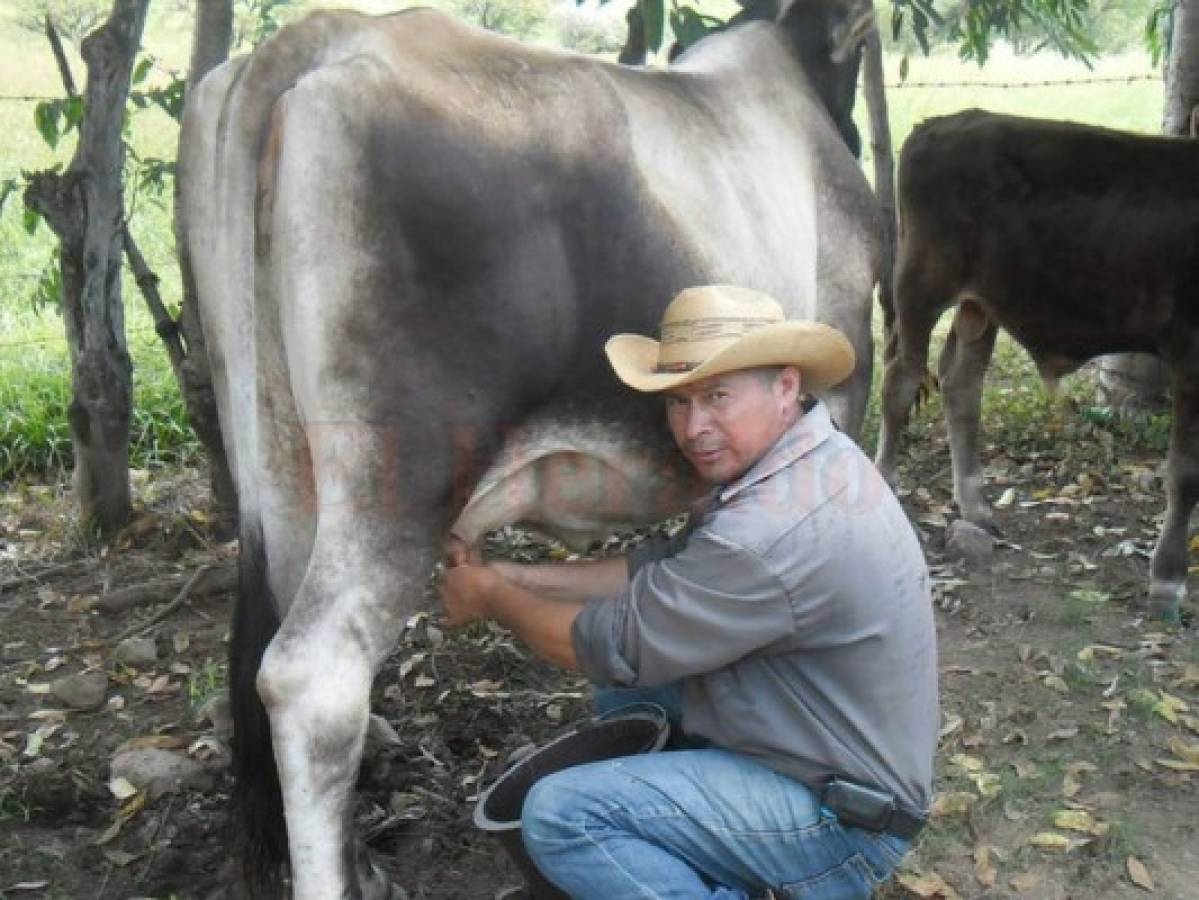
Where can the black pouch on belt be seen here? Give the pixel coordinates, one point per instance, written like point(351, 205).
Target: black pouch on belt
point(858, 805)
point(863, 806)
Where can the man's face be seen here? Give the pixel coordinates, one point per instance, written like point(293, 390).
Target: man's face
point(724, 424)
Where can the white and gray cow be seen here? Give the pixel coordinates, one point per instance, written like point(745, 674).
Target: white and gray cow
point(410, 239)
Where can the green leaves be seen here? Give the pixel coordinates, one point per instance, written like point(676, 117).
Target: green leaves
point(689, 25)
point(55, 118)
point(1065, 26)
point(168, 98)
point(7, 187)
point(1158, 30)
point(653, 13)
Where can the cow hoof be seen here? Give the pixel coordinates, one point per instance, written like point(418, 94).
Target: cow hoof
point(1165, 602)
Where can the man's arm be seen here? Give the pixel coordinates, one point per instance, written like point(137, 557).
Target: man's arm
point(541, 618)
point(577, 581)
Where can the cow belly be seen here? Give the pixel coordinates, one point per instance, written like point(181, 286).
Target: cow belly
point(577, 482)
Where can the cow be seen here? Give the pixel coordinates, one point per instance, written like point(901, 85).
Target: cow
point(409, 239)
point(1078, 241)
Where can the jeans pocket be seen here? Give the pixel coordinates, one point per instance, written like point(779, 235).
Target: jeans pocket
point(851, 880)
point(884, 851)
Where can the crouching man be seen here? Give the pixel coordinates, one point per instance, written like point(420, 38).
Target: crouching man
point(789, 627)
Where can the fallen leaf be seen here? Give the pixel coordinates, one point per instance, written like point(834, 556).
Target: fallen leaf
point(411, 662)
point(1169, 706)
point(423, 681)
point(49, 715)
point(119, 857)
point(953, 724)
point(84, 603)
point(122, 788)
point(1185, 751)
point(953, 803)
point(181, 641)
point(1056, 683)
point(1026, 881)
point(988, 784)
point(1025, 769)
point(1090, 595)
point(486, 686)
point(929, 886)
point(1062, 734)
point(152, 742)
point(1190, 722)
point(131, 808)
point(969, 763)
point(984, 867)
point(1050, 840)
point(1189, 677)
point(1079, 820)
point(1139, 874)
point(1071, 784)
point(1178, 765)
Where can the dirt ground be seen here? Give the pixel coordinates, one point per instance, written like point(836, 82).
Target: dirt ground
point(1067, 768)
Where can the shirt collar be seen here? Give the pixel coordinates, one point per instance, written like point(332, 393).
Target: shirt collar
point(807, 433)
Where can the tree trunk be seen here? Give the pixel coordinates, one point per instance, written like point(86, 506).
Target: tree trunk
point(1136, 381)
point(210, 48)
point(884, 173)
point(85, 208)
point(213, 36)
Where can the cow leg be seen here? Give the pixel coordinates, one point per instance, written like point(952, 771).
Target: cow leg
point(315, 682)
point(962, 367)
point(1168, 572)
point(367, 570)
point(902, 377)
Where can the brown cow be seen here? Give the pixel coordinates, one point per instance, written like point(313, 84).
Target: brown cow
point(1079, 241)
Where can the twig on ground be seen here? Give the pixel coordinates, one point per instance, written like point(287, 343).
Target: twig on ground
point(53, 569)
point(223, 577)
point(166, 813)
point(167, 610)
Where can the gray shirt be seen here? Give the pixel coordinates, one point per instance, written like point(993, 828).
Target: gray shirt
point(795, 614)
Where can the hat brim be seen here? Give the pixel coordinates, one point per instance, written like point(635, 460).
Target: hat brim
point(822, 354)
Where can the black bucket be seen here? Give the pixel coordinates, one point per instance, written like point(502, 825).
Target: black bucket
point(640, 728)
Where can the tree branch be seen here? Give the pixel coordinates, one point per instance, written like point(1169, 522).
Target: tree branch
point(60, 57)
point(147, 281)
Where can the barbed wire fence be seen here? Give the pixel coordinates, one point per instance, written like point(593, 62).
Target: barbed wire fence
point(1130, 78)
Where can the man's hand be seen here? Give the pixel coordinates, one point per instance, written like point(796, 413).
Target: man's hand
point(466, 594)
point(471, 592)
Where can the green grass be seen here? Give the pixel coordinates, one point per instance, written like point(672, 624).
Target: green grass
point(206, 682)
point(34, 370)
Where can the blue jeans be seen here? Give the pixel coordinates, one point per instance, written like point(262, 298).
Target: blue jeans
point(696, 823)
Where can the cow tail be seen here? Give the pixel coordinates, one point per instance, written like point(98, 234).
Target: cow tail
point(257, 797)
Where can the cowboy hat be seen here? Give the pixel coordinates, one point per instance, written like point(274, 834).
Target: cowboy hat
point(721, 328)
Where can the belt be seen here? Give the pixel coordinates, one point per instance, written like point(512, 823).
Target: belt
point(904, 824)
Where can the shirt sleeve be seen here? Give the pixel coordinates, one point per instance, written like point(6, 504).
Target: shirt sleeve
point(656, 547)
point(709, 605)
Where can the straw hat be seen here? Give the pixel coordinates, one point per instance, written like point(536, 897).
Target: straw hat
point(721, 328)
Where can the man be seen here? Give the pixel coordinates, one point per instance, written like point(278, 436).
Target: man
point(790, 624)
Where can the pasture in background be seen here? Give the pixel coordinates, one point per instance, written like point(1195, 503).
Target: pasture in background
point(34, 368)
